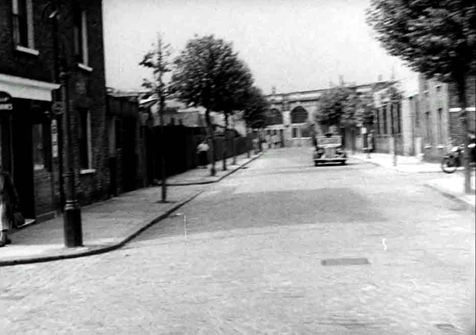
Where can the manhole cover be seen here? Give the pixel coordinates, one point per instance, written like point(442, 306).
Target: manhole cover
point(345, 261)
point(445, 326)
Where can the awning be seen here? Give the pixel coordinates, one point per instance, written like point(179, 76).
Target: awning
point(23, 88)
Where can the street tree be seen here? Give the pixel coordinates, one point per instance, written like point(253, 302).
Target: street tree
point(255, 108)
point(232, 96)
point(436, 38)
point(334, 105)
point(158, 61)
point(208, 73)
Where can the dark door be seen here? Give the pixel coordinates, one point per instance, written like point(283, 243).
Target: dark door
point(22, 167)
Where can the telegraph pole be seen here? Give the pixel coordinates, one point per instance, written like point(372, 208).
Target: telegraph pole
point(161, 96)
point(394, 105)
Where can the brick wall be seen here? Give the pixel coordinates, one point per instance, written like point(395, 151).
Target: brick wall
point(17, 63)
point(455, 124)
point(433, 118)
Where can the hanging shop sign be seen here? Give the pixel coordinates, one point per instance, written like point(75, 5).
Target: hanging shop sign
point(6, 103)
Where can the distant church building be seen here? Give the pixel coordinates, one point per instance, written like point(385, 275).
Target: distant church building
point(290, 114)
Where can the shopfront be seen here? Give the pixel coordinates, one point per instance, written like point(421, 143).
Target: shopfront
point(27, 143)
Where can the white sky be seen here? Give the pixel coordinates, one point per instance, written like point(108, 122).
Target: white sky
point(295, 45)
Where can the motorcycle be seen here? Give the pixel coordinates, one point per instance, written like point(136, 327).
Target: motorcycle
point(454, 159)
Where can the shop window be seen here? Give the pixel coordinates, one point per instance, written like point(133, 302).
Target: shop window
point(81, 37)
point(85, 140)
point(22, 11)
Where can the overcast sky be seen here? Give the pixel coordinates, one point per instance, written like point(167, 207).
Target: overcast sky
point(294, 45)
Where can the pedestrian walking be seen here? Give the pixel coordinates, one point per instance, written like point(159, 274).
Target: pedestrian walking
point(10, 215)
point(202, 151)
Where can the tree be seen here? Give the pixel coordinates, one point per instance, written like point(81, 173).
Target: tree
point(208, 73)
point(436, 38)
point(255, 107)
point(158, 61)
point(334, 106)
point(232, 96)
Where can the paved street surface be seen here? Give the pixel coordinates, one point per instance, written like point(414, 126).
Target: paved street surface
point(281, 247)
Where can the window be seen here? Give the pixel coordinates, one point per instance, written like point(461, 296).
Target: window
point(385, 123)
point(398, 118)
point(85, 146)
point(81, 38)
point(305, 131)
point(417, 113)
point(440, 126)
point(22, 11)
point(428, 130)
point(377, 114)
point(426, 84)
point(295, 133)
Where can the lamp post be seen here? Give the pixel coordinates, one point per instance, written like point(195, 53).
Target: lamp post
point(73, 236)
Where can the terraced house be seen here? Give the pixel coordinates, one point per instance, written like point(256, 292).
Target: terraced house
point(38, 40)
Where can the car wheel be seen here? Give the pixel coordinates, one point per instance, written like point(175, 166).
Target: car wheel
point(316, 163)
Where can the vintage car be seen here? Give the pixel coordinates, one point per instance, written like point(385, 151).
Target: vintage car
point(328, 149)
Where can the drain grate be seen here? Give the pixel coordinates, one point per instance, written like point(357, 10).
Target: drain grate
point(345, 261)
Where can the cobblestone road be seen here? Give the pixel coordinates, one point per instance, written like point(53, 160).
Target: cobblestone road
point(246, 257)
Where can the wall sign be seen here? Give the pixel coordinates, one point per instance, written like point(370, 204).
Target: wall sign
point(6, 103)
point(54, 138)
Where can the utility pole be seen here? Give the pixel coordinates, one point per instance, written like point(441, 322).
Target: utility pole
point(161, 96)
point(393, 106)
point(73, 234)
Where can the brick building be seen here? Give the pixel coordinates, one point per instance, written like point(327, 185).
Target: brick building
point(290, 115)
point(396, 121)
point(31, 132)
point(439, 116)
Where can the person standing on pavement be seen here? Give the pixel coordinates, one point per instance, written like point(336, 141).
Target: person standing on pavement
point(202, 151)
point(9, 207)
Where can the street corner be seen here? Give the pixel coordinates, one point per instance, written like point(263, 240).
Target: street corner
point(454, 192)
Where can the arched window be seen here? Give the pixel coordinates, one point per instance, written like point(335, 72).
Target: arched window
point(299, 115)
point(274, 116)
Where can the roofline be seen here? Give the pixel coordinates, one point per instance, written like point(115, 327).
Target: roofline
point(325, 89)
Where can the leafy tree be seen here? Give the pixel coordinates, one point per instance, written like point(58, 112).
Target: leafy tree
point(158, 61)
point(436, 38)
point(255, 107)
point(333, 105)
point(208, 73)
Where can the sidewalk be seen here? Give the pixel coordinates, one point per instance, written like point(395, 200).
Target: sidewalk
point(110, 224)
point(450, 185)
